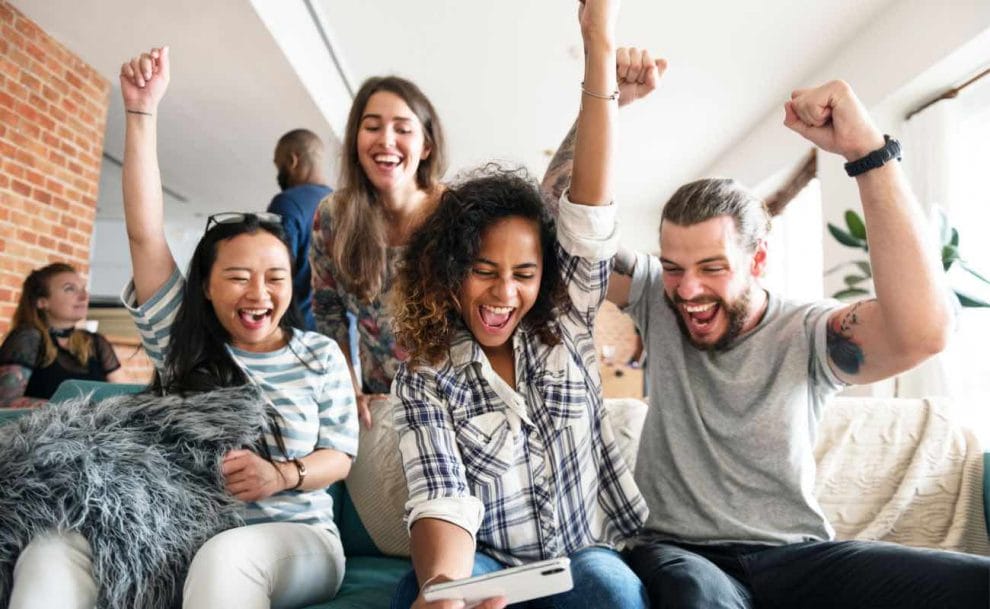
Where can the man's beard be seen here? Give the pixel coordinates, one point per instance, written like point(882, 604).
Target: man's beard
point(736, 313)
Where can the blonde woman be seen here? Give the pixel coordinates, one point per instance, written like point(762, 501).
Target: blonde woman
point(44, 347)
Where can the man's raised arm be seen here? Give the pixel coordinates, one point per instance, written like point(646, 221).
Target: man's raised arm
point(910, 318)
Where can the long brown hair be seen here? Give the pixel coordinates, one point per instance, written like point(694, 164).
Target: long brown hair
point(359, 225)
point(36, 286)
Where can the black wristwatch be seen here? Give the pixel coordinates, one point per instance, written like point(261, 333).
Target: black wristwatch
point(891, 150)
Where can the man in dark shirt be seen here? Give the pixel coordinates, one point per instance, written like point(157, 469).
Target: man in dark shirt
point(300, 161)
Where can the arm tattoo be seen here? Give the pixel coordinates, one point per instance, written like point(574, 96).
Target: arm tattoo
point(842, 349)
point(13, 381)
point(558, 175)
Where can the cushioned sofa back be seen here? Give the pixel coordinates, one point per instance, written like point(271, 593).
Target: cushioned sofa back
point(100, 391)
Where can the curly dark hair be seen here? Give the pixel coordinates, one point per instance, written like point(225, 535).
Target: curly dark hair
point(437, 260)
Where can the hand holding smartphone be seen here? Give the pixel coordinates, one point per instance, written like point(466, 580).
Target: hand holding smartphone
point(515, 584)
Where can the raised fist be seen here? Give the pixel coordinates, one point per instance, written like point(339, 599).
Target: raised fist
point(832, 118)
point(637, 73)
point(143, 80)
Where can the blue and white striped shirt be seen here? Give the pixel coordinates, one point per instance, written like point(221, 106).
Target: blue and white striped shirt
point(307, 382)
point(533, 472)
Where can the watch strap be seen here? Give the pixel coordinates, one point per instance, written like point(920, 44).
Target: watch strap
point(890, 150)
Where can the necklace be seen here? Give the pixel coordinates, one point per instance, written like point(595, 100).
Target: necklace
point(61, 332)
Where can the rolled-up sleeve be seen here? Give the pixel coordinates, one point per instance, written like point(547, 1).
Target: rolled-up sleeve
point(431, 460)
point(587, 240)
point(587, 231)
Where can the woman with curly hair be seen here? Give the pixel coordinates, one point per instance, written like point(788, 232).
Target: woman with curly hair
point(504, 441)
point(44, 347)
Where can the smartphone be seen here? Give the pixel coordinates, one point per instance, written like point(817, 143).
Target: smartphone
point(516, 584)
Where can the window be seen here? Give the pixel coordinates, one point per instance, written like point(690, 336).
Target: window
point(969, 212)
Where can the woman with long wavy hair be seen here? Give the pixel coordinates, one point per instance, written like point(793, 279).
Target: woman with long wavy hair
point(389, 183)
point(44, 347)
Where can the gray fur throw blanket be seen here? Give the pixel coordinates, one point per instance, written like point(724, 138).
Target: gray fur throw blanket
point(136, 475)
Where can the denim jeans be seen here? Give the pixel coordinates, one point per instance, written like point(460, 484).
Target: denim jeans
point(601, 580)
point(813, 575)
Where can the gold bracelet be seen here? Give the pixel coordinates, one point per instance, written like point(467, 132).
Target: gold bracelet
point(614, 95)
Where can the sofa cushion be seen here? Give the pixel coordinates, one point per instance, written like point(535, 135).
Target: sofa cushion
point(377, 484)
point(368, 582)
point(901, 470)
point(626, 417)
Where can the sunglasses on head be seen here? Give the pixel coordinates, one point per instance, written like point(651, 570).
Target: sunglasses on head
point(236, 217)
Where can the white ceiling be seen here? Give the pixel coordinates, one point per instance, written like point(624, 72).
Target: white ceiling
point(503, 75)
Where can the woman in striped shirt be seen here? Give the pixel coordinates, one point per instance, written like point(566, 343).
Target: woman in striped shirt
point(232, 321)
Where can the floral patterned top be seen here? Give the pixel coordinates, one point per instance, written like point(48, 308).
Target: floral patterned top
point(380, 356)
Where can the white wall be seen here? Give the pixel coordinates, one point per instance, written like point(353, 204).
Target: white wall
point(890, 65)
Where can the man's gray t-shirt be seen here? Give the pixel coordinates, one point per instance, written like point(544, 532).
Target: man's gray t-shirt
point(726, 454)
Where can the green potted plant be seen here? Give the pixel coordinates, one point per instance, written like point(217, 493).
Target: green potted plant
point(857, 280)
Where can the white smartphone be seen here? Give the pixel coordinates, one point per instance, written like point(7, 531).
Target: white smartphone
point(516, 584)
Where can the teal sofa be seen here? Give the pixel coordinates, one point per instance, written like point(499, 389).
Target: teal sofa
point(370, 578)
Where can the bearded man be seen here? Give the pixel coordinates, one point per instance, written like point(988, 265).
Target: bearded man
point(740, 377)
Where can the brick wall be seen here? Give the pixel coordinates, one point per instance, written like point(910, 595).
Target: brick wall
point(134, 362)
point(53, 109)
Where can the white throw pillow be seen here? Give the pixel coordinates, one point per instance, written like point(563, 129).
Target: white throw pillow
point(626, 416)
point(377, 484)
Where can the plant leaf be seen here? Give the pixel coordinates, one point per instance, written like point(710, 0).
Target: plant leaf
point(855, 224)
point(850, 292)
point(865, 267)
point(968, 301)
point(954, 240)
point(852, 280)
point(950, 254)
point(969, 270)
point(845, 238)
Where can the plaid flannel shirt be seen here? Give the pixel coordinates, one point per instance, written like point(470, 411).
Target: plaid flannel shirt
point(532, 472)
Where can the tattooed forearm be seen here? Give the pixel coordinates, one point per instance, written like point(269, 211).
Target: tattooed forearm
point(558, 175)
point(842, 349)
point(23, 402)
point(13, 381)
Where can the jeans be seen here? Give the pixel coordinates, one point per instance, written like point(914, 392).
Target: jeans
point(601, 580)
point(258, 566)
point(812, 575)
